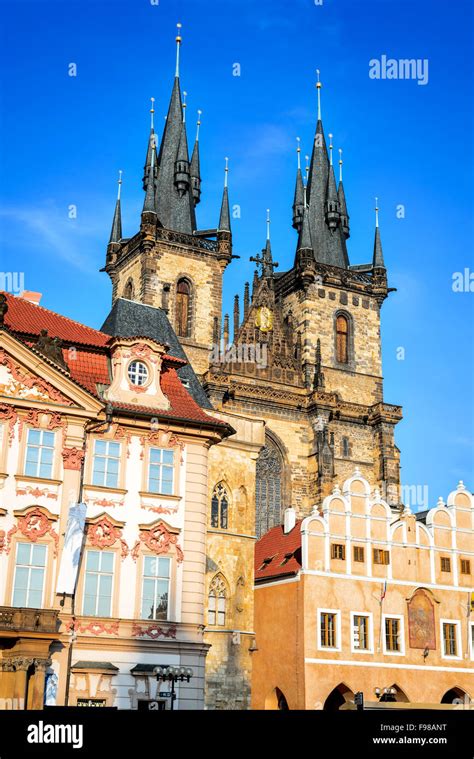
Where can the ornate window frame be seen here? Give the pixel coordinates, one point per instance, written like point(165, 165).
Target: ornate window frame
point(158, 539)
point(190, 325)
point(350, 363)
point(285, 477)
point(223, 484)
point(219, 577)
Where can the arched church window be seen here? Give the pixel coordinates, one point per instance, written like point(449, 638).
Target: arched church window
point(268, 488)
point(217, 602)
point(129, 290)
point(345, 448)
point(183, 308)
point(342, 339)
point(220, 507)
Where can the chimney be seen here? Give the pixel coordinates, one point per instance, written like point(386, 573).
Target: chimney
point(31, 296)
point(289, 519)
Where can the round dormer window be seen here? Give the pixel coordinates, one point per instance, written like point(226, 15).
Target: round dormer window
point(137, 373)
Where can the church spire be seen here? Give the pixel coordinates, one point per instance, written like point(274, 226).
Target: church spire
point(116, 232)
point(268, 265)
point(342, 201)
point(378, 262)
point(149, 206)
point(174, 201)
point(298, 201)
point(224, 219)
point(195, 165)
point(151, 146)
point(304, 238)
point(326, 234)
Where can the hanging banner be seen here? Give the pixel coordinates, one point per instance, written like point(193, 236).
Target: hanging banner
point(72, 549)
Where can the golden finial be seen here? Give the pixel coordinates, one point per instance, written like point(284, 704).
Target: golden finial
point(185, 95)
point(330, 148)
point(119, 184)
point(340, 164)
point(318, 87)
point(198, 124)
point(298, 152)
point(152, 111)
point(376, 212)
point(268, 223)
point(226, 171)
point(178, 43)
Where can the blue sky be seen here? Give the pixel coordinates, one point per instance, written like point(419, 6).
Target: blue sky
point(63, 139)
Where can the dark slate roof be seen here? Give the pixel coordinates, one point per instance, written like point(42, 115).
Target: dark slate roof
point(148, 668)
point(130, 319)
point(95, 665)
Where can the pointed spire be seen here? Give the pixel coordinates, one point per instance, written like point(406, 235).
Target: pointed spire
point(185, 105)
point(151, 147)
point(195, 165)
point(378, 262)
point(304, 237)
point(298, 201)
point(236, 317)
point(149, 204)
point(342, 201)
point(332, 201)
point(268, 265)
point(318, 89)
point(116, 232)
point(226, 330)
point(182, 174)
point(246, 300)
point(255, 283)
point(178, 45)
point(224, 219)
point(318, 383)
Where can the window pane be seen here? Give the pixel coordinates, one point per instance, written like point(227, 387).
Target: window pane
point(45, 471)
point(155, 455)
point(23, 553)
point(100, 446)
point(111, 480)
point(21, 578)
point(38, 555)
point(113, 466)
point(164, 567)
point(114, 450)
point(48, 439)
point(34, 437)
point(168, 457)
point(93, 560)
point(107, 561)
point(167, 487)
point(46, 455)
point(149, 568)
point(34, 599)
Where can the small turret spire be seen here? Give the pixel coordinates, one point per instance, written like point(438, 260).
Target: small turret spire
point(298, 201)
point(152, 112)
point(340, 164)
point(298, 152)
point(268, 224)
point(224, 219)
point(198, 124)
point(318, 88)
point(116, 231)
point(342, 201)
point(185, 105)
point(378, 260)
point(330, 148)
point(178, 45)
point(149, 204)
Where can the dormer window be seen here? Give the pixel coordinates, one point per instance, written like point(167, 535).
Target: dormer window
point(137, 373)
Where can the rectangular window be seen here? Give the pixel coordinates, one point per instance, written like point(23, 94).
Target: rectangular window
point(39, 454)
point(161, 471)
point(359, 553)
point(106, 463)
point(360, 632)
point(465, 567)
point(450, 639)
point(338, 551)
point(30, 569)
point(381, 557)
point(328, 633)
point(216, 610)
point(392, 634)
point(156, 588)
point(98, 583)
point(445, 564)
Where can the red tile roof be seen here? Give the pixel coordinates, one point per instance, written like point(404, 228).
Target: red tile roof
point(277, 554)
point(86, 352)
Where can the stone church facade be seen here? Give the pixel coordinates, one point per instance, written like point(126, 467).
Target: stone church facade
point(299, 379)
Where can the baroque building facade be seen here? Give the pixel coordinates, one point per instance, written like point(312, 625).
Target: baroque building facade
point(298, 373)
point(104, 420)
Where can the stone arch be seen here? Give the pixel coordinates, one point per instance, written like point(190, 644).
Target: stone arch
point(129, 289)
point(456, 695)
point(397, 695)
point(276, 700)
point(339, 696)
point(272, 487)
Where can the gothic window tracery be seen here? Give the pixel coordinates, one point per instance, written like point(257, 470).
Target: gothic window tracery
point(217, 602)
point(220, 507)
point(268, 488)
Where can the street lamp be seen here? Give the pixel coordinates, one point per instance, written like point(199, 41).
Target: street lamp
point(173, 675)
